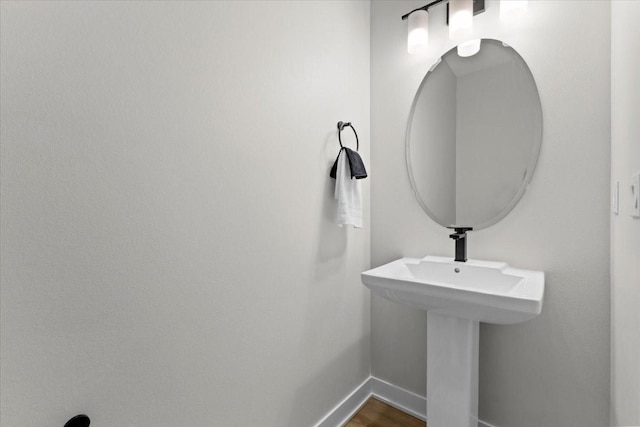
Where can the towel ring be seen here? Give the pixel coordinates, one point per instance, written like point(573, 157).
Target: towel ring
point(78, 421)
point(342, 125)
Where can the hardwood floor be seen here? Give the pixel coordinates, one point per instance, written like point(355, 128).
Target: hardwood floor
point(376, 413)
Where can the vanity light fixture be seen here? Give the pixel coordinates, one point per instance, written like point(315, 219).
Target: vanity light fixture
point(459, 18)
point(460, 21)
point(418, 37)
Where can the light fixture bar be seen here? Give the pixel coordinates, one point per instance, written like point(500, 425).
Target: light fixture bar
point(425, 8)
point(478, 7)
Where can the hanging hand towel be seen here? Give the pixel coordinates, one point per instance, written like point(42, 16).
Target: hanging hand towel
point(348, 193)
point(356, 165)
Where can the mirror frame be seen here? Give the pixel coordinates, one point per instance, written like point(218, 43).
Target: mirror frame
point(534, 154)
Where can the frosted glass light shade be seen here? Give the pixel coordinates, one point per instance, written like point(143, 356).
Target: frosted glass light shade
point(512, 10)
point(418, 35)
point(460, 19)
point(469, 48)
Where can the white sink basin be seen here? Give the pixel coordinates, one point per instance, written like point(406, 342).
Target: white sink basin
point(483, 291)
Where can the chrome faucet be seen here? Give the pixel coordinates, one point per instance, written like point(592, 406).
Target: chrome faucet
point(460, 236)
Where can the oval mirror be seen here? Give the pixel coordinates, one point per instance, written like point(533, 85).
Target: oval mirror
point(474, 135)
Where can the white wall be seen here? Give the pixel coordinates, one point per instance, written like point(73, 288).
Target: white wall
point(553, 370)
point(168, 254)
point(625, 230)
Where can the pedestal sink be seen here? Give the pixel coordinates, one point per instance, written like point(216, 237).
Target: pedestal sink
point(457, 296)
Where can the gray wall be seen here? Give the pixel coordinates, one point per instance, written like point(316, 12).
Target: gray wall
point(625, 230)
point(553, 370)
point(168, 253)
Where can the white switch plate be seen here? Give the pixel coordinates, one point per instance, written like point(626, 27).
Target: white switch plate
point(635, 190)
point(615, 198)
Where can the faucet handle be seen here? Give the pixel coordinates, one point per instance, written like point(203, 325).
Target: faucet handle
point(460, 228)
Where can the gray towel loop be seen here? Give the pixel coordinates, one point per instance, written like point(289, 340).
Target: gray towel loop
point(341, 126)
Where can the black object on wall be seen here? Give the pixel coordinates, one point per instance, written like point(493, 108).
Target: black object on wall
point(78, 421)
point(478, 7)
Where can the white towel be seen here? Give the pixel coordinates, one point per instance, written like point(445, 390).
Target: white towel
point(348, 193)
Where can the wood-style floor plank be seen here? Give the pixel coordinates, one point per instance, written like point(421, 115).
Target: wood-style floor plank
point(376, 413)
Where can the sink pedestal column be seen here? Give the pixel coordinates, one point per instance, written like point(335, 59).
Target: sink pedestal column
point(452, 371)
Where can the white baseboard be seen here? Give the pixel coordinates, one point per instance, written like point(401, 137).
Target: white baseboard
point(346, 409)
point(395, 396)
point(484, 424)
point(400, 398)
